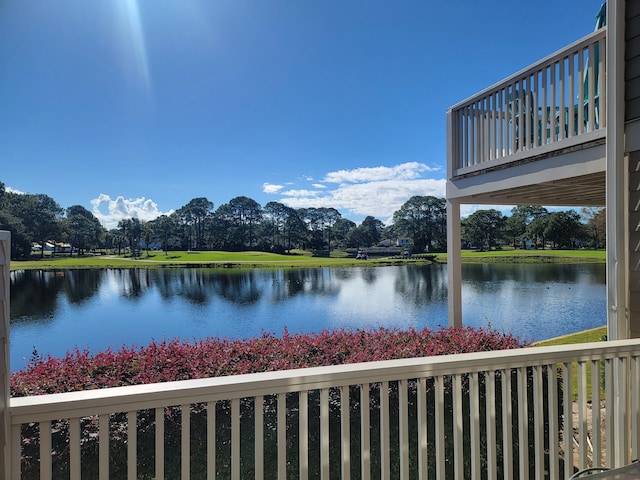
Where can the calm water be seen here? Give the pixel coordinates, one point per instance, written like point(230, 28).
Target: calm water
point(95, 309)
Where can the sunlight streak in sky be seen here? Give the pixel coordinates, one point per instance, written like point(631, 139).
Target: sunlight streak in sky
point(133, 43)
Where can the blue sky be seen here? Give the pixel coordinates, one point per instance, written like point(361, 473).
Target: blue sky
point(133, 108)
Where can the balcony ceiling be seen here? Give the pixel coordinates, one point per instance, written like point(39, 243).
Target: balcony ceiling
point(585, 190)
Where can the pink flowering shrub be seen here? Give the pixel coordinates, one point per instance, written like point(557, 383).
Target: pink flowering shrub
point(181, 360)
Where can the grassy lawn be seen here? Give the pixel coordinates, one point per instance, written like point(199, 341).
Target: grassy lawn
point(593, 335)
point(530, 256)
point(207, 258)
point(296, 259)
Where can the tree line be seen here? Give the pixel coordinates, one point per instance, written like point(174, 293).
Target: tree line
point(243, 224)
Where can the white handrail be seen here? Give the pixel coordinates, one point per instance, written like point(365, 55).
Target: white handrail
point(554, 103)
point(387, 396)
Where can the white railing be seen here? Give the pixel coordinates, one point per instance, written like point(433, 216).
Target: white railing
point(555, 103)
point(506, 414)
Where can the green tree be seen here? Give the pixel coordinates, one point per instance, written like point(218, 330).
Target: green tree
point(194, 216)
point(239, 219)
point(595, 220)
point(85, 230)
point(424, 220)
point(40, 214)
point(483, 227)
point(516, 225)
point(564, 229)
point(341, 231)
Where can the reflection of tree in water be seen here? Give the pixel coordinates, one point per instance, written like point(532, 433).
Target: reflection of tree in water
point(132, 282)
point(369, 275)
point(527, 273)
point(316, 281)
point(81, 285)
point(242, 288)
point(34, 293)
point(422, 284)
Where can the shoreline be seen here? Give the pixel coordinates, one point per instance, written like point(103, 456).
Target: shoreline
point(253, 259)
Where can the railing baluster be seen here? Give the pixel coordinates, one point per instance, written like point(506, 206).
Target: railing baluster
point(103, 446)
point(458, 427)
point(538, 420)
point(582, 415)
point(385, 456)
point(74, 448)
point(552, 103)
point(211, 441)
point(474, 424)
point(303, 433)
point(514, 117)
point(490, 415)
point(282, 436)
point(581, 73)
point(159, 443)
point(45, 451)
point(523, 423)
point(365, 432)
point(591, 89)
point(132, 445)
point(16, 450)
point(422, 428)
point(552, 405)
point(562, 127)
point(567, 434)
point(602, 97)
point(403, 414)
point(572, 110)
point(258, 414)
point(507, 423)
point(609, 414)
point(185, 437)
point(596, 441)
point(235, 439)
point(345, 433)
point(324, 434)
point(439, 417)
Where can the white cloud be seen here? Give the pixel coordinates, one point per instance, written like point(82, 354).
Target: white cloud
point(13, 190)
point(301, 193)
point(110, 211)
point(379, 199)
point(404, 171)
point(271, 188)
point(376, 191)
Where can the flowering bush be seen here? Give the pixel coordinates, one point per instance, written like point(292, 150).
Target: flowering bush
point(181, 360)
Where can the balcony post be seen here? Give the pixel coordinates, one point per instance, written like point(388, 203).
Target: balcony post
point(616, 186)
point(454, 233)
point(5, 423)
point(454, 268)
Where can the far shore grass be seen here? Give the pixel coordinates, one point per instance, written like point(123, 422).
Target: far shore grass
point(300, 259)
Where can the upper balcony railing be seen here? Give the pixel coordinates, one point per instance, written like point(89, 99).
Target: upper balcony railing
point(552, 104)
point(526, 413)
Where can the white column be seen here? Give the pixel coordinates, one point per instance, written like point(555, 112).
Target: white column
point(617, 225)
point(454, 268)
point(5, 423)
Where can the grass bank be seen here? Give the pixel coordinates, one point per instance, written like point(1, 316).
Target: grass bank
point(508, 255)
point(587, 336)
point(298, 259)
point(215, 259)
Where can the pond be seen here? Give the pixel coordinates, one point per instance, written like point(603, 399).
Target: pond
point(55, 311)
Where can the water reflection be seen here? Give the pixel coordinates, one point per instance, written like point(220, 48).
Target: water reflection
point(55, 311)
